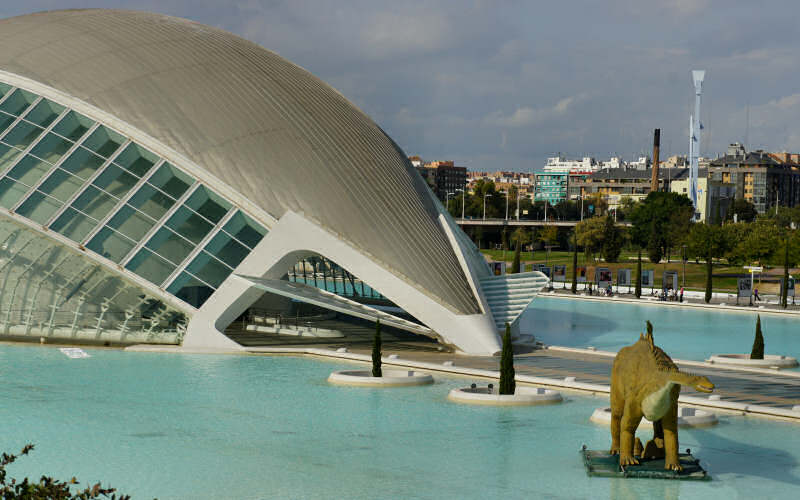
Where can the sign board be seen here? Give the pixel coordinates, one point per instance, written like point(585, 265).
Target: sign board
point(559, 272)
point(743, 288)
point(670, 280)
point(602, 276)
point(547, 271)
point(581, 271)
point(790, 288)
point(648, 278)
point(498, 268)
point(623, 277)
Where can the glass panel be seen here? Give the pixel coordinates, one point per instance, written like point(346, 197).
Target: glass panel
point(82, 163)
point(208, 204)
point(225, 248)
point(189, 224)
point(39, 207)
point(22, 135)
point(208, 269)
point(103, 141)
point(245, 229)
point(51, 148)
point(61, 185)
point(150, 266)
point(18, 102)
point(151, 201)
point(73, 126)
point(110, 245)
point(4, 88)
point(115, 181)
point(11, 192)
point(73, 225)
point(131, 223)
point(29, 170)
point(44, 113)
point(8, 155)
point(171, 180)
point(190, 290)
point(5, 121)
point(169, 245)
point(94, 203)
point(136, 159)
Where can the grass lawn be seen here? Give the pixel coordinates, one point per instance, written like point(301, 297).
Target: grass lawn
point(695, 273)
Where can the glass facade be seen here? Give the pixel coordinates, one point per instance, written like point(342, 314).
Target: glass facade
point(117, 199)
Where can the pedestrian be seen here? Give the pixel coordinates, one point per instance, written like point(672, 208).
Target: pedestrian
point(681, 294)
point(755, 294)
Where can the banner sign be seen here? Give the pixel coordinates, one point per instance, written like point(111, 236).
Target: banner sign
point(547, 271)
point(602, 276)
point(790, 288)
point(581, 270)
point(670, 280)
point(647, 278)
point(559, 272)
point(743, 288)
point(498, 268)
point(623, 277)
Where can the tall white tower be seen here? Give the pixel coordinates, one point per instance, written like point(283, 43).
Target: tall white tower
point(695, 130)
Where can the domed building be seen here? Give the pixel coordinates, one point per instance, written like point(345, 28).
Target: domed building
point(159, 177)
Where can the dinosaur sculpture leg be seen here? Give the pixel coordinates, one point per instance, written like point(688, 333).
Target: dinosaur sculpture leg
point(655, 447)
point(630, 421)
point(670, 424)
point(617, 406)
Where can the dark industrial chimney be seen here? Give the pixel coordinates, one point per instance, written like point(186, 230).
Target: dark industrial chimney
point(656, 145)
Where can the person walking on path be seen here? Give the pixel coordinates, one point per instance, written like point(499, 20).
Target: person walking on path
point(681, 299)
point(755, 294)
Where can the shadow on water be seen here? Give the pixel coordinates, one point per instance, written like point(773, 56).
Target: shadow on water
point(569, 329)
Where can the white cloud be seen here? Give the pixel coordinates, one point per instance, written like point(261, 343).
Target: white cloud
point(525, 116)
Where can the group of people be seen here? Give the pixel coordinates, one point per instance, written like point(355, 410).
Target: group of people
point(670, 294)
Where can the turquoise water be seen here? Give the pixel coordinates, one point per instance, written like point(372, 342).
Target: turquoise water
point(183, 426)
point(684, 333)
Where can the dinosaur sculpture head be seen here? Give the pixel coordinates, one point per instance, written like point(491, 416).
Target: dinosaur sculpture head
point(698, 382)
point(668, 367)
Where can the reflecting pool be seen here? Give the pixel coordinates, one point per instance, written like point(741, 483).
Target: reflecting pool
point(684, 333)
point(184, 426)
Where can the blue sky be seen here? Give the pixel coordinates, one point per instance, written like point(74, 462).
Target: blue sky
point(502, 85)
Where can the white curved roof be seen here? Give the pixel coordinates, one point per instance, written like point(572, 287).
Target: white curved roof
point(267, 128)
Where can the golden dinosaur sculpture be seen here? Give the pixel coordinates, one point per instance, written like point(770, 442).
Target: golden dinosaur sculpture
point(646, 383)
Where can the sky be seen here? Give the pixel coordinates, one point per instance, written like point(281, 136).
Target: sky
point(502, 85)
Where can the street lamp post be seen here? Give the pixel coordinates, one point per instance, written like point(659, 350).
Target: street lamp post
point(684, 266)
point(507, 193)
point(447, 201)
point(581, 205)
point(484, 205)
point(518, 192)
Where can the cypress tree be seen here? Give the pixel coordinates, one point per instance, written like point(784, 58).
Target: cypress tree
point(649, 327)
point(376, 351)
point(575, 263)
point(784, 288)
point(515, 266)
point(758, 342)
point(507, 383)
point(709, 282)
point(639, 275)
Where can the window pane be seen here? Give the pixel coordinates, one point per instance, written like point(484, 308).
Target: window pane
point(61, 185)
point(136, 159)
point(29, 170)
point(223, 247)
point(208, 204)
point(22, 135)
point(73, 126)
point(171, 180)
point(208, 269)
point(4, 88)
point(245, 229)
point(11, 192)
point(39, 207)
point(131, 223)
point(18, 102)
point(94, 203)
point(44, 113)
point(170, 246)
point(82, 163)
point(103, 141)
point(51, 148)
point(110, 245)
point(189, 224)
point(73, 225)
point(5, 121)
point(115, 180)
point(152, 202)
point(8, 155)
point(190, 290)
point(150, 266)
